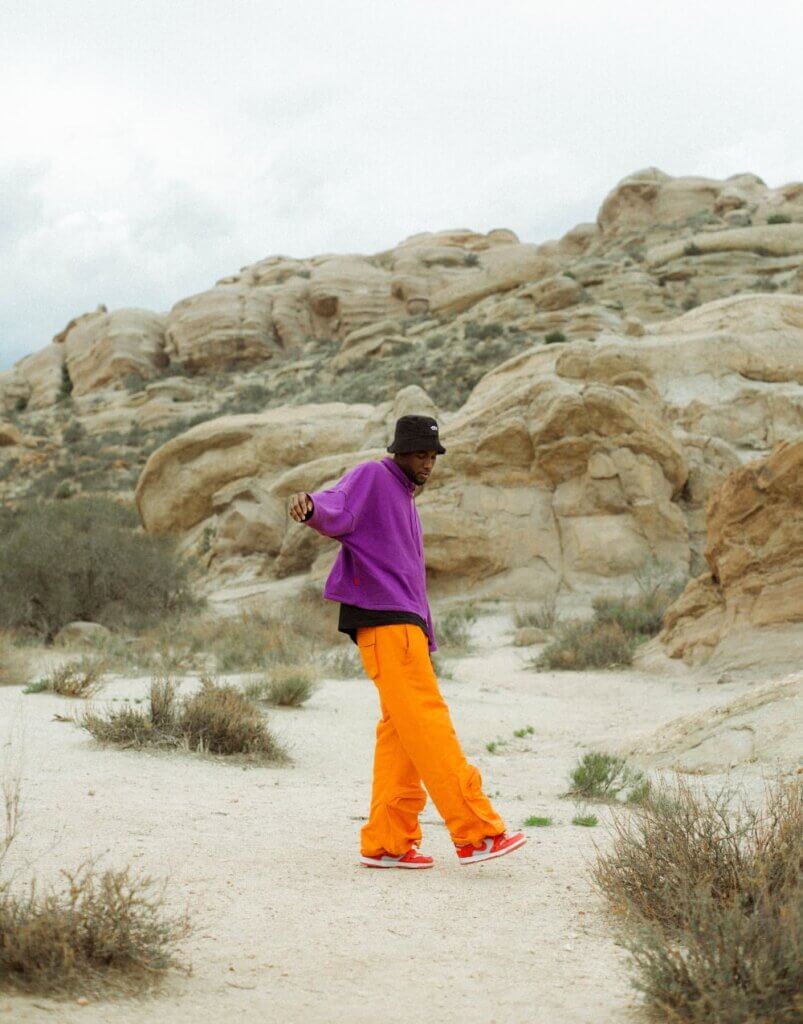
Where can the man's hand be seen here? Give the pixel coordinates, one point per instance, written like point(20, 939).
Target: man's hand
point(299, 505)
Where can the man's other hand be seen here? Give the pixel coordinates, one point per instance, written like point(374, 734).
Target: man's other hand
point(299, 505)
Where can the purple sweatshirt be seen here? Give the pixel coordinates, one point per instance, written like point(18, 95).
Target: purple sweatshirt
point(380, 565)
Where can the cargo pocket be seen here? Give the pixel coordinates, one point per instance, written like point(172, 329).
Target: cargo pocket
point(471, 788)
point(366, 641)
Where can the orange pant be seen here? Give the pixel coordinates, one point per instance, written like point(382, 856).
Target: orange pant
point(415, 743)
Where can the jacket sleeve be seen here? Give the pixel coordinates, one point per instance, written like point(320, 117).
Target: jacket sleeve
point(337, 510)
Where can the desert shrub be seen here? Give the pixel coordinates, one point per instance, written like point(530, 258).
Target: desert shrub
point(74, 432)
point(601, 776)
point(691, 249)
point(554, 337)
point(482, 332)
point(543, 615)
point(779, 218)
point(83, 559)
point(454, 628)
point(343, 663)
point(638, 616)
point(78, 678)
point(471, 259)
point(285, 685)
point(134, 382)
point(217, 719)
point(101, 930)
point(244, 643)
point(712, 896)
point(14, 662)
point(587, 644)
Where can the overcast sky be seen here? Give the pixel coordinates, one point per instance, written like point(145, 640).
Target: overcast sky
point(148, 148)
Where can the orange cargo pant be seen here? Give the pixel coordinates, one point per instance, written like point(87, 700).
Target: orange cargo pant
point(416, 742)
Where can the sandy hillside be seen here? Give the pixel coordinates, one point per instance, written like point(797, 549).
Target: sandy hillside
point(289, 927)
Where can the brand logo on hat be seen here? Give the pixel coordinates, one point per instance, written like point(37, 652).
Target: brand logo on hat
point(433, 427)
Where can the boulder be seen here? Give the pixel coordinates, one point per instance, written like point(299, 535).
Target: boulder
point(81, 634)
point(753, 589)
point(103, 348)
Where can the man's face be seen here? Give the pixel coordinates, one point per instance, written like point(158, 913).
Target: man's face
point(417, 465)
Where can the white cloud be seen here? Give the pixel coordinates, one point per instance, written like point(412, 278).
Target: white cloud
point(155, 148)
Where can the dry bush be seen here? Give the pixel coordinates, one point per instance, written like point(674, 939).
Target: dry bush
point(587, 644)
point(310, 618)
point(285, 685)
point(79, 678)
point(102, 931)
point(343, 663)
point(244, 643)
point(543, 615)
point(217, 719)
point(453, 629)
point(222, 720)
point(14, 662)
point(712, 894)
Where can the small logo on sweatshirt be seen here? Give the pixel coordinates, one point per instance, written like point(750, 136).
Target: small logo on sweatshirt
point(356, 582)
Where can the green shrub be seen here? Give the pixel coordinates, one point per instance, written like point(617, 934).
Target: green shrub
point(586, 820)
point(534, 821)
point(74, 432)
point(453, 629)
point(779, 218)
point(482, 332)
point(83, 559)
point(285, 685)
point(691, 249)
point(554, 338)
point(712, 899)
point(471, 259)
point(601, 776)
point(587, 644)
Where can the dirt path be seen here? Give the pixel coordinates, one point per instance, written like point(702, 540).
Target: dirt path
point(289, 927)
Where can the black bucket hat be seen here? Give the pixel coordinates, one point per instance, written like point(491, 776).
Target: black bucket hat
point(416, 434)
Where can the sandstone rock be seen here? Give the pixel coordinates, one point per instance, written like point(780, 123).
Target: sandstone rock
point(179, 481)
point(227, 324)
point(754, 552)
point(101, 348)
point(81, 634)
point(526, 636)
point(503, 268)
point(15, 391)
point(43, 375)
point(556, 292)
point(761, 726)
point(769, 240)
point(10, 435)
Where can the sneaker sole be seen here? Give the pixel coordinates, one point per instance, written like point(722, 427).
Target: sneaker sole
point(410, 867)
point(491, 856)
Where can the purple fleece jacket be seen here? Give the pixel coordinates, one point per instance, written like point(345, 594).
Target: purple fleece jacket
point(380, 565)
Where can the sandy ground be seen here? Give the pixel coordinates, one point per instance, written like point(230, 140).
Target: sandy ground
point(288, 926)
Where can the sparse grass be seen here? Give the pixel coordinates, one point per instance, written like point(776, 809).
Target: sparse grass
point(217, 719)
point(554, 338)
point(285, 685)
point(80, 677)
point(526, 731)
point(779, 218)
point(691, 249)
point(587, 644)
point(453, 628)
point(543, 615)
point(493, 745)
point(602, 776)
point(343, 663)
point(534, 821)
point(586, 820)
point(14, 662)
point(711, 896)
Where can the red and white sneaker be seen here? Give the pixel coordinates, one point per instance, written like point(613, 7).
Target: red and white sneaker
point(491, 846)
point(411, 859)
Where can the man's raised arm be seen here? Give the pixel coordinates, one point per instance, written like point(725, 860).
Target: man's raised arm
point(334, 512)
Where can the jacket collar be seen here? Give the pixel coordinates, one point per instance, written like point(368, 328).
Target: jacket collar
point(398, 472)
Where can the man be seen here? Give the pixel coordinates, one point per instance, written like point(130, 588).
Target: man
point(379, 577)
